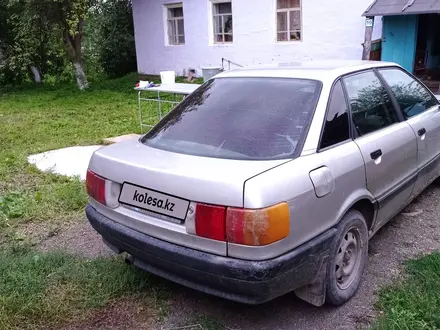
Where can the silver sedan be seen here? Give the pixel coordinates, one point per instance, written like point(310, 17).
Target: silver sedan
point(270, 180)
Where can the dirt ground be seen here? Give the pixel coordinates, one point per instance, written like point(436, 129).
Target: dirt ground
point(79, 239)
point(125, 314)
point(414, 232)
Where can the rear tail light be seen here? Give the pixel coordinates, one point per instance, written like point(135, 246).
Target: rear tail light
point(254, 227)
point(95, 187)
point(210, 221)
point(103, 191)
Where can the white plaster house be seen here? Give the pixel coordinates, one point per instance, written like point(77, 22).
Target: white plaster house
point(182, 34)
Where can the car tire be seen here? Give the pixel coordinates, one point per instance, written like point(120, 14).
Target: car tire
point(348, 257)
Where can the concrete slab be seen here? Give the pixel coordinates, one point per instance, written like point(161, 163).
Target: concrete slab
point(121, 138)
point(72, 161)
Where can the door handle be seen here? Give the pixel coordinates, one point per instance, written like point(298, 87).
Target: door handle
point(376, 154)
point(421, 131)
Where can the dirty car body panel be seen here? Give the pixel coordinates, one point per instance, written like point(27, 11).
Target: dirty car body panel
point(240, 190)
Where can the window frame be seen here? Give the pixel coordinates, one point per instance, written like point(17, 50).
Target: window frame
point(400, 117)
point(288, 10)
point(174, 21)
point(327, 109)
point(392, 93)
point(214, 3)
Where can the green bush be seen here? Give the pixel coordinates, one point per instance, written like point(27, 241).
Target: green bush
point(12, 205)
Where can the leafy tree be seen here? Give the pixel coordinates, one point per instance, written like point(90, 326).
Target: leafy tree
point(7, 36)
point(45, 31)
point(35, 46)
point(41, 38)
point(68, 17)
point(111, 32)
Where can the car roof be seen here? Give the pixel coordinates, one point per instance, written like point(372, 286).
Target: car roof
point(318, 70)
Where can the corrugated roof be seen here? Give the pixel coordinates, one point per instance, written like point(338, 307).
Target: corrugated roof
point(402, 7)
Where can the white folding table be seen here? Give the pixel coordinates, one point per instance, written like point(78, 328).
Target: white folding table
point(173, 89)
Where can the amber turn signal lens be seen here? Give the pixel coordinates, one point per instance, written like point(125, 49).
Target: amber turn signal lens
point(257, 227)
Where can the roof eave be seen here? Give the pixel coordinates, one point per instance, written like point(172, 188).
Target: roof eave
point(366, 14)
point(412, 7)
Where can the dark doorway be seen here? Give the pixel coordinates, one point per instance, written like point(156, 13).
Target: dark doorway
point(427, 58)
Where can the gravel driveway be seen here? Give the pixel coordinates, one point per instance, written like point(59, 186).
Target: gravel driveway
point(416, 231)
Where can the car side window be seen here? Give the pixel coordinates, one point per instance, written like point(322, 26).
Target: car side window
point(371, 105)
point(336, 127)
point(413, 97)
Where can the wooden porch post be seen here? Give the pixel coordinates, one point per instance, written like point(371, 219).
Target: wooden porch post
point(369, 23)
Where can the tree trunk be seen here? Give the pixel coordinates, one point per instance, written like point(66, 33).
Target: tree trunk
point(74, 44)
point(81, 78)
point(37, 75)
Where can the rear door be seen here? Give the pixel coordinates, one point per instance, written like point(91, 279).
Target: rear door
point(421, 111)
point(387, 143)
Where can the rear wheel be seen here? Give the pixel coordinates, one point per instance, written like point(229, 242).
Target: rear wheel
point(348, 257)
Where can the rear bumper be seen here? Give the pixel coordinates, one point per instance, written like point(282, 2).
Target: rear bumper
point(250, 282)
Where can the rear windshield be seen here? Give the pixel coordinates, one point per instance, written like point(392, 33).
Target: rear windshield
point(240, 118)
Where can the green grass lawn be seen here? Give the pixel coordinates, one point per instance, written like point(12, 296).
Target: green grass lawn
point(413, 303)
point(43, 289)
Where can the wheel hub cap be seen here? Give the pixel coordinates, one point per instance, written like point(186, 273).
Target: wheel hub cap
point(348, 259)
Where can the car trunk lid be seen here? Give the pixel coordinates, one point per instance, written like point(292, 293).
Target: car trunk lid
point(180, 179)
point(198, 179)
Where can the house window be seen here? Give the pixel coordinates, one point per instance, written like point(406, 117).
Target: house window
point(288, 20)
point(222, 18)
point(176, 33)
